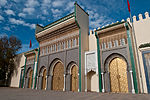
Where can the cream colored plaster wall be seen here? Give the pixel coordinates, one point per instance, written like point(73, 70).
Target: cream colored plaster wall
point(92, 41)
point(142, 30)
point(83, 21)
point(94, 83)
point(142, 33)
point(20, 62)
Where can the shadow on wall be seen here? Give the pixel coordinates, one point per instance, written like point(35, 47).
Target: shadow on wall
point(7, 82)
point(17, 61)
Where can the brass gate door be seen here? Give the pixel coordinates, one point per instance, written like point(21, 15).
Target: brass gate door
point(74, 78)
point(118, 75)
point(44, 79)
point(58, 77)
point(30, 79)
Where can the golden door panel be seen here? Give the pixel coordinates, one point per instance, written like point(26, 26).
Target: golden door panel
point(58, 77)
point(122, 69)
point(118, 75)
point(44, 79)
point(74, 78)
point(113, 76)
point(30, 79)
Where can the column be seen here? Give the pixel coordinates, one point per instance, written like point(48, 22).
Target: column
point(103, 86)
point(133, 90)
point(68, 82)
point(79, 80)
point(78, 40)
point(33, 82)
point(107, 82)
point(49, 81)
point(24, 84)
point(64, 82)
point(98, 82)
point(37, 82)
point(86, 83)
point(46, 82)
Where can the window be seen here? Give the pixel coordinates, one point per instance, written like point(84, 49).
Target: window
point(54, 47)
point(69, 43)
point(50, 48)
point(109, 44)
point(115, 43)
point(64, 45)
point(74, 42)
point(122, 41)
point(104, 45)
point(58, 46)
point(46, 50)
point(42, 51)
point(61, 44)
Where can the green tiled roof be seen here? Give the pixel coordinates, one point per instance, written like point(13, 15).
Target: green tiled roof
point(117, 23)
point(59, 21)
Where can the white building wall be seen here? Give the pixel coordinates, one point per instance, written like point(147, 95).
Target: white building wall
point(20, 62)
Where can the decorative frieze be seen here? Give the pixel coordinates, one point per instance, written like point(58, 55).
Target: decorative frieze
point(58, 39)
point(113, 41)
point(30, 61)
point(60, 45)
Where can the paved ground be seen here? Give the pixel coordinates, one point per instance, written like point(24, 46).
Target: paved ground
point(29, 94)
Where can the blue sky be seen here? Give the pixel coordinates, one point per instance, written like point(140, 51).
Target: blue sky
point(18, 17)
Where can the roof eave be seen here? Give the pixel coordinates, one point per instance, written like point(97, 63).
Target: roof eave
point(111, 27)
point(58, 26)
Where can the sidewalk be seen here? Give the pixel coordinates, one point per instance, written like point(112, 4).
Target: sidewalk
point(29, 94)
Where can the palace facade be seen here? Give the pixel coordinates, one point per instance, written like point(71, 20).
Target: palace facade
point(70, 58)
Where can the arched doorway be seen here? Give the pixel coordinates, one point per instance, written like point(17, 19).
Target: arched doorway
point(92, 81)
point(74, 78)
point(58, 77)
point(118, 75)
point(30, 79)
point(44, 80)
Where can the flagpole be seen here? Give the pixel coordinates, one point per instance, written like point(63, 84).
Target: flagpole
point(136, 49)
